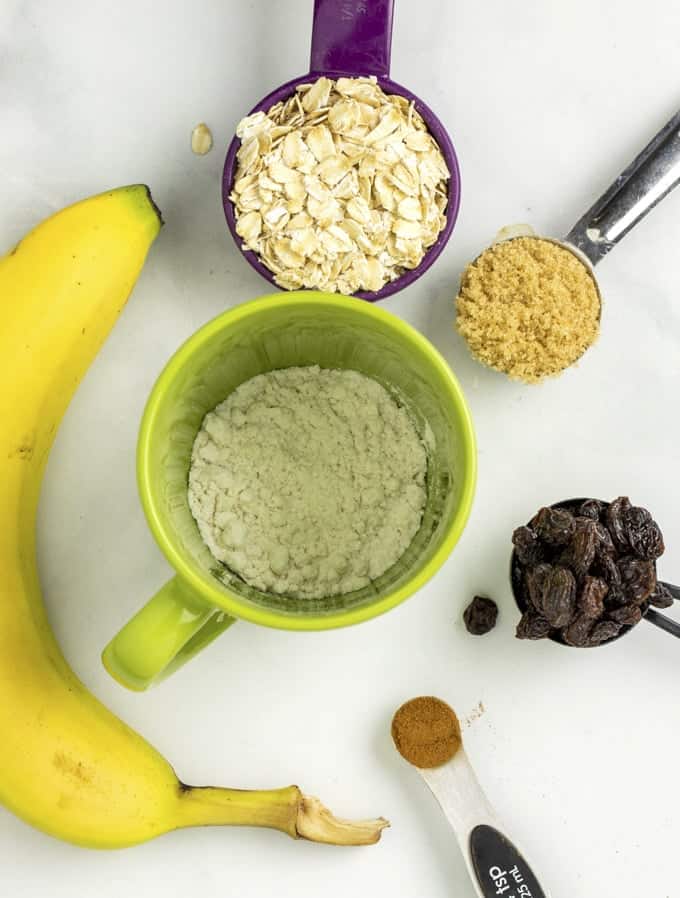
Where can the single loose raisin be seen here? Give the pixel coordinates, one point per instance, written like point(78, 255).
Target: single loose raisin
point(532, 626)
point(591, 597)
point(554, 525)
point(661, 597)
point(638, 578)
point(559, 597)
point(480, 615)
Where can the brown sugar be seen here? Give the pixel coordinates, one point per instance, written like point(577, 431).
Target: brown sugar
point(426, 732)
point(528, 308)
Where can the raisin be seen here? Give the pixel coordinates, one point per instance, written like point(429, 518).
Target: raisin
point(638, 578)
point(580, 553)
point(584, 570)
point(591, 598)
point(578, 631)
point(607, 569)
point(519, 589)
point(605, 546)
point(534, 583)
point(616, 523)
point(627, 616)
point(636, 517)
point(604, 631)
point(591, 508)
point(527, 546)
point(648, 543)
point(644, 535)
point(480, 616)
point(532, 626)
point(559, 597)
point(554, 525)
point(615, 598)
point(661, 597)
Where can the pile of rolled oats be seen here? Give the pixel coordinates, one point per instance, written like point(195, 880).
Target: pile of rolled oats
point(340, 188)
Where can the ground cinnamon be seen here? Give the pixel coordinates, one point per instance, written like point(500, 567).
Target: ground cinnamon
point(426, 732)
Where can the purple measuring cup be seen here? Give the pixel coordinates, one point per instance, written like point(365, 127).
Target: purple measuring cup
point(352, 38)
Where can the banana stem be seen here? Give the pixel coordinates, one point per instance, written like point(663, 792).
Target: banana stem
point(288, 810)
point(208, 806)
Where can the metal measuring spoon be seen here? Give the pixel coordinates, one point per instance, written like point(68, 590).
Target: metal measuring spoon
point(495, 864)
point(653, 173)
point(648, 613)
point(351, 38)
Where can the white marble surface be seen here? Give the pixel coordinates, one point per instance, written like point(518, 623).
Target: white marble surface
point(546, 102)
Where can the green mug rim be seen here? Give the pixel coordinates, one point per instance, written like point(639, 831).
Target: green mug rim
point(231, 602)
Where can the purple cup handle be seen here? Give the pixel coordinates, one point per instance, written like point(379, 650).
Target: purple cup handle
point(352, 37)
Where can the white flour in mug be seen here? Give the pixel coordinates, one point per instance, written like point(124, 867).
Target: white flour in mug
point(308, 482)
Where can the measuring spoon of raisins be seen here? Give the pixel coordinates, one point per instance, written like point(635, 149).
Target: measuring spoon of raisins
point(583, 573)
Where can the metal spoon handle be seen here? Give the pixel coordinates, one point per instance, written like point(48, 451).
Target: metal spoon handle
point(672, 589)
point(495, 864)
point(660, 620)
point(663, 622)
point(650, 176)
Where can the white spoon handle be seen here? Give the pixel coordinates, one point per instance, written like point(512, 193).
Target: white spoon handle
point(496, 867)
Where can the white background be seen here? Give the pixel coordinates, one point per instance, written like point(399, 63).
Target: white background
point(546, 103)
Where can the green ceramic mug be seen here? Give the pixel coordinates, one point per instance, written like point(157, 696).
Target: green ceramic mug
point(280, 331)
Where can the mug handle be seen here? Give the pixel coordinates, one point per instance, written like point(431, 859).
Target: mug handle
point(166, 633)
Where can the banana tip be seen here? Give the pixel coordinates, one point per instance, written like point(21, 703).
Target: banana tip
point(153, 204)
point(318, 824)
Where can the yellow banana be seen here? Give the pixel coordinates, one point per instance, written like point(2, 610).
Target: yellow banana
point(67, 765)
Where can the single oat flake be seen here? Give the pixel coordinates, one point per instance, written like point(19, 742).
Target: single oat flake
point(201, 139)
point(340, 188)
